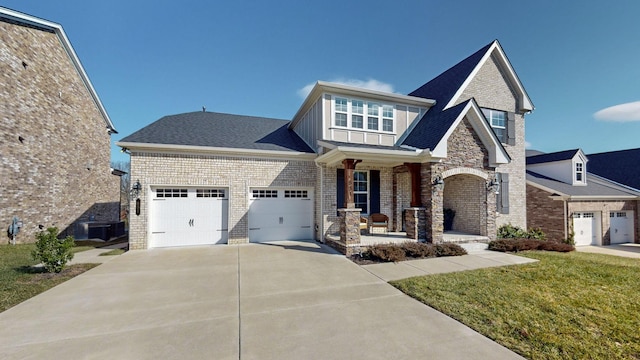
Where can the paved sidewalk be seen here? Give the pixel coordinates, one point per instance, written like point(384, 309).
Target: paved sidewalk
point(285, 300)
point(475, 260)
point(629, 250)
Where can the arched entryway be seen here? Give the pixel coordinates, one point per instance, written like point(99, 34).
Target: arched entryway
point(465, 193)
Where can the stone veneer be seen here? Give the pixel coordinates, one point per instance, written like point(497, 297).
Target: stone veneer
point(491, 89)
point(59, 173)
point(415, 223)
point(235, 173)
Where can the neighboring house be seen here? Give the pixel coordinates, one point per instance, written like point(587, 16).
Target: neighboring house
point(452, 143)
point(54, 132)
point(564, 196)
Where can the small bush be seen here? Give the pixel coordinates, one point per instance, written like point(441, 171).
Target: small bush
point(515, 245)
point(509, 231)
point(386, 252)
point(418, 250)
point(54, 253)
point(571, 240)
point(449, 249)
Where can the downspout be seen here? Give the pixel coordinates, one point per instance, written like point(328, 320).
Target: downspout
point(318, 194)
point(564, 203)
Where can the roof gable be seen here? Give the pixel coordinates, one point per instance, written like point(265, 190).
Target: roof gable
point(552, 157)
point(34, 22)
point(433, 131)
point(447, 87)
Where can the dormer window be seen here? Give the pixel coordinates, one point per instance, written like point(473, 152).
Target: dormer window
point(363, 115)
point(579, 172)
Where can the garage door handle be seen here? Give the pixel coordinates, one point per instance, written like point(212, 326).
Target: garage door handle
point(306, 227)
point(157, 232)
point(254, 228)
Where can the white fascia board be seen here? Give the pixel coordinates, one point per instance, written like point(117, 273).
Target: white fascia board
point(525, 101)
point(603, 197)
point(497, 155)
point(323, 87)
point(170, 148)
point(57, 28)
point(381, 156)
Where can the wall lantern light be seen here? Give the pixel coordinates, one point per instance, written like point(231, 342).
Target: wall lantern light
point(493, 185)
point(136, 188)
point(438, 183)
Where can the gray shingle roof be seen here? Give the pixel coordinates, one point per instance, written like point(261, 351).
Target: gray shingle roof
point(593, 188)
point(621, 166)
point(213, 129)
point(367, 146)
point(551, 157)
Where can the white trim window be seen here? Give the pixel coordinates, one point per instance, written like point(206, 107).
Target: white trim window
point(341, 111)
point(498, 121)
point(363, 115)
point(579, 172)
point(361, 190)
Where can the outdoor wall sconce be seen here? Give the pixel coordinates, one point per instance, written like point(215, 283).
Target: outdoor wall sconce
point(493, 185)
point(136, 189)
point(438, 183)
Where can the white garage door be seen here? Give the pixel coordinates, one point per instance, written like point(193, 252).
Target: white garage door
point(621, 226)
point(586, 228)
point(280, 214)
point(188, 216)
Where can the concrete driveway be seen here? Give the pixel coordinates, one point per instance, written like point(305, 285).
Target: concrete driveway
point(287, 300)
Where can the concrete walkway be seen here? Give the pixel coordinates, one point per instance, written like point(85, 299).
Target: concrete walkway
point(286, 300)
point(629, 250)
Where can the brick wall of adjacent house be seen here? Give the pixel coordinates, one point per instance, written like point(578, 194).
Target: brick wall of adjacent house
point(545, 213)
point(604, 208)
point(491, 89)
point(60, 172)
point(237, 174)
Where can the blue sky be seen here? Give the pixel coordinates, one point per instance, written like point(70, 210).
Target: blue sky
point(147, 59)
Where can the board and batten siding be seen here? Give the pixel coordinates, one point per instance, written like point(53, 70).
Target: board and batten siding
point(309, 128)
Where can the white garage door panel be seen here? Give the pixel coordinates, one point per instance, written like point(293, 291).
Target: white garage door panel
point(621, 226)
point(280, 218)
point(585, 228)
point(186, 221)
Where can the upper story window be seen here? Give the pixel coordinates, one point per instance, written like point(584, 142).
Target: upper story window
point(579, 172)
point(498, 121)
point(360, 114)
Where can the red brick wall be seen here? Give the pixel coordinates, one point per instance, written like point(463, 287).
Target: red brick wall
point(544, 213)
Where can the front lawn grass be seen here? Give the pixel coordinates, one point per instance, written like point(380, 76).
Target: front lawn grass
point(566, 306)
point(20, 280)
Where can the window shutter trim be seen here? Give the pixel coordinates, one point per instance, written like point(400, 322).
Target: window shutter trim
point(511, 128)
point(504, 193)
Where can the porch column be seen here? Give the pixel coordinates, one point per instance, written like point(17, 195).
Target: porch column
point(414, 169)
point(432, 199)
point(349, 166)
point(349, 227)
point(415, 223)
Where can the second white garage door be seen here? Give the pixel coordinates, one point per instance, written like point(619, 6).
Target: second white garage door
point(280, 214)
point(621, 226)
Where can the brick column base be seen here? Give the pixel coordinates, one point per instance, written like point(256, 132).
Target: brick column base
point(415, 223)
point(350, 226)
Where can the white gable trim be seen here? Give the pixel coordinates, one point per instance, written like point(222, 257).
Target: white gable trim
point(497, 153)
point(524, 102)
point(57, 28)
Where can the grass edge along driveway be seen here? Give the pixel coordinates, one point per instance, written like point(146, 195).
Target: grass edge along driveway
point(567, 305)
point(20, 281)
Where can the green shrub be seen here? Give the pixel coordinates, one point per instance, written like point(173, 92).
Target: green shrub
point(386, 252)
point(52, 252)
point(571, 239)
point(509, 231)
point(449, 249)
point(515, 245)
point(418, 250)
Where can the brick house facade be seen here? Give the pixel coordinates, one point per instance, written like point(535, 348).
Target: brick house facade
point(55, 133)
point(364, 150)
